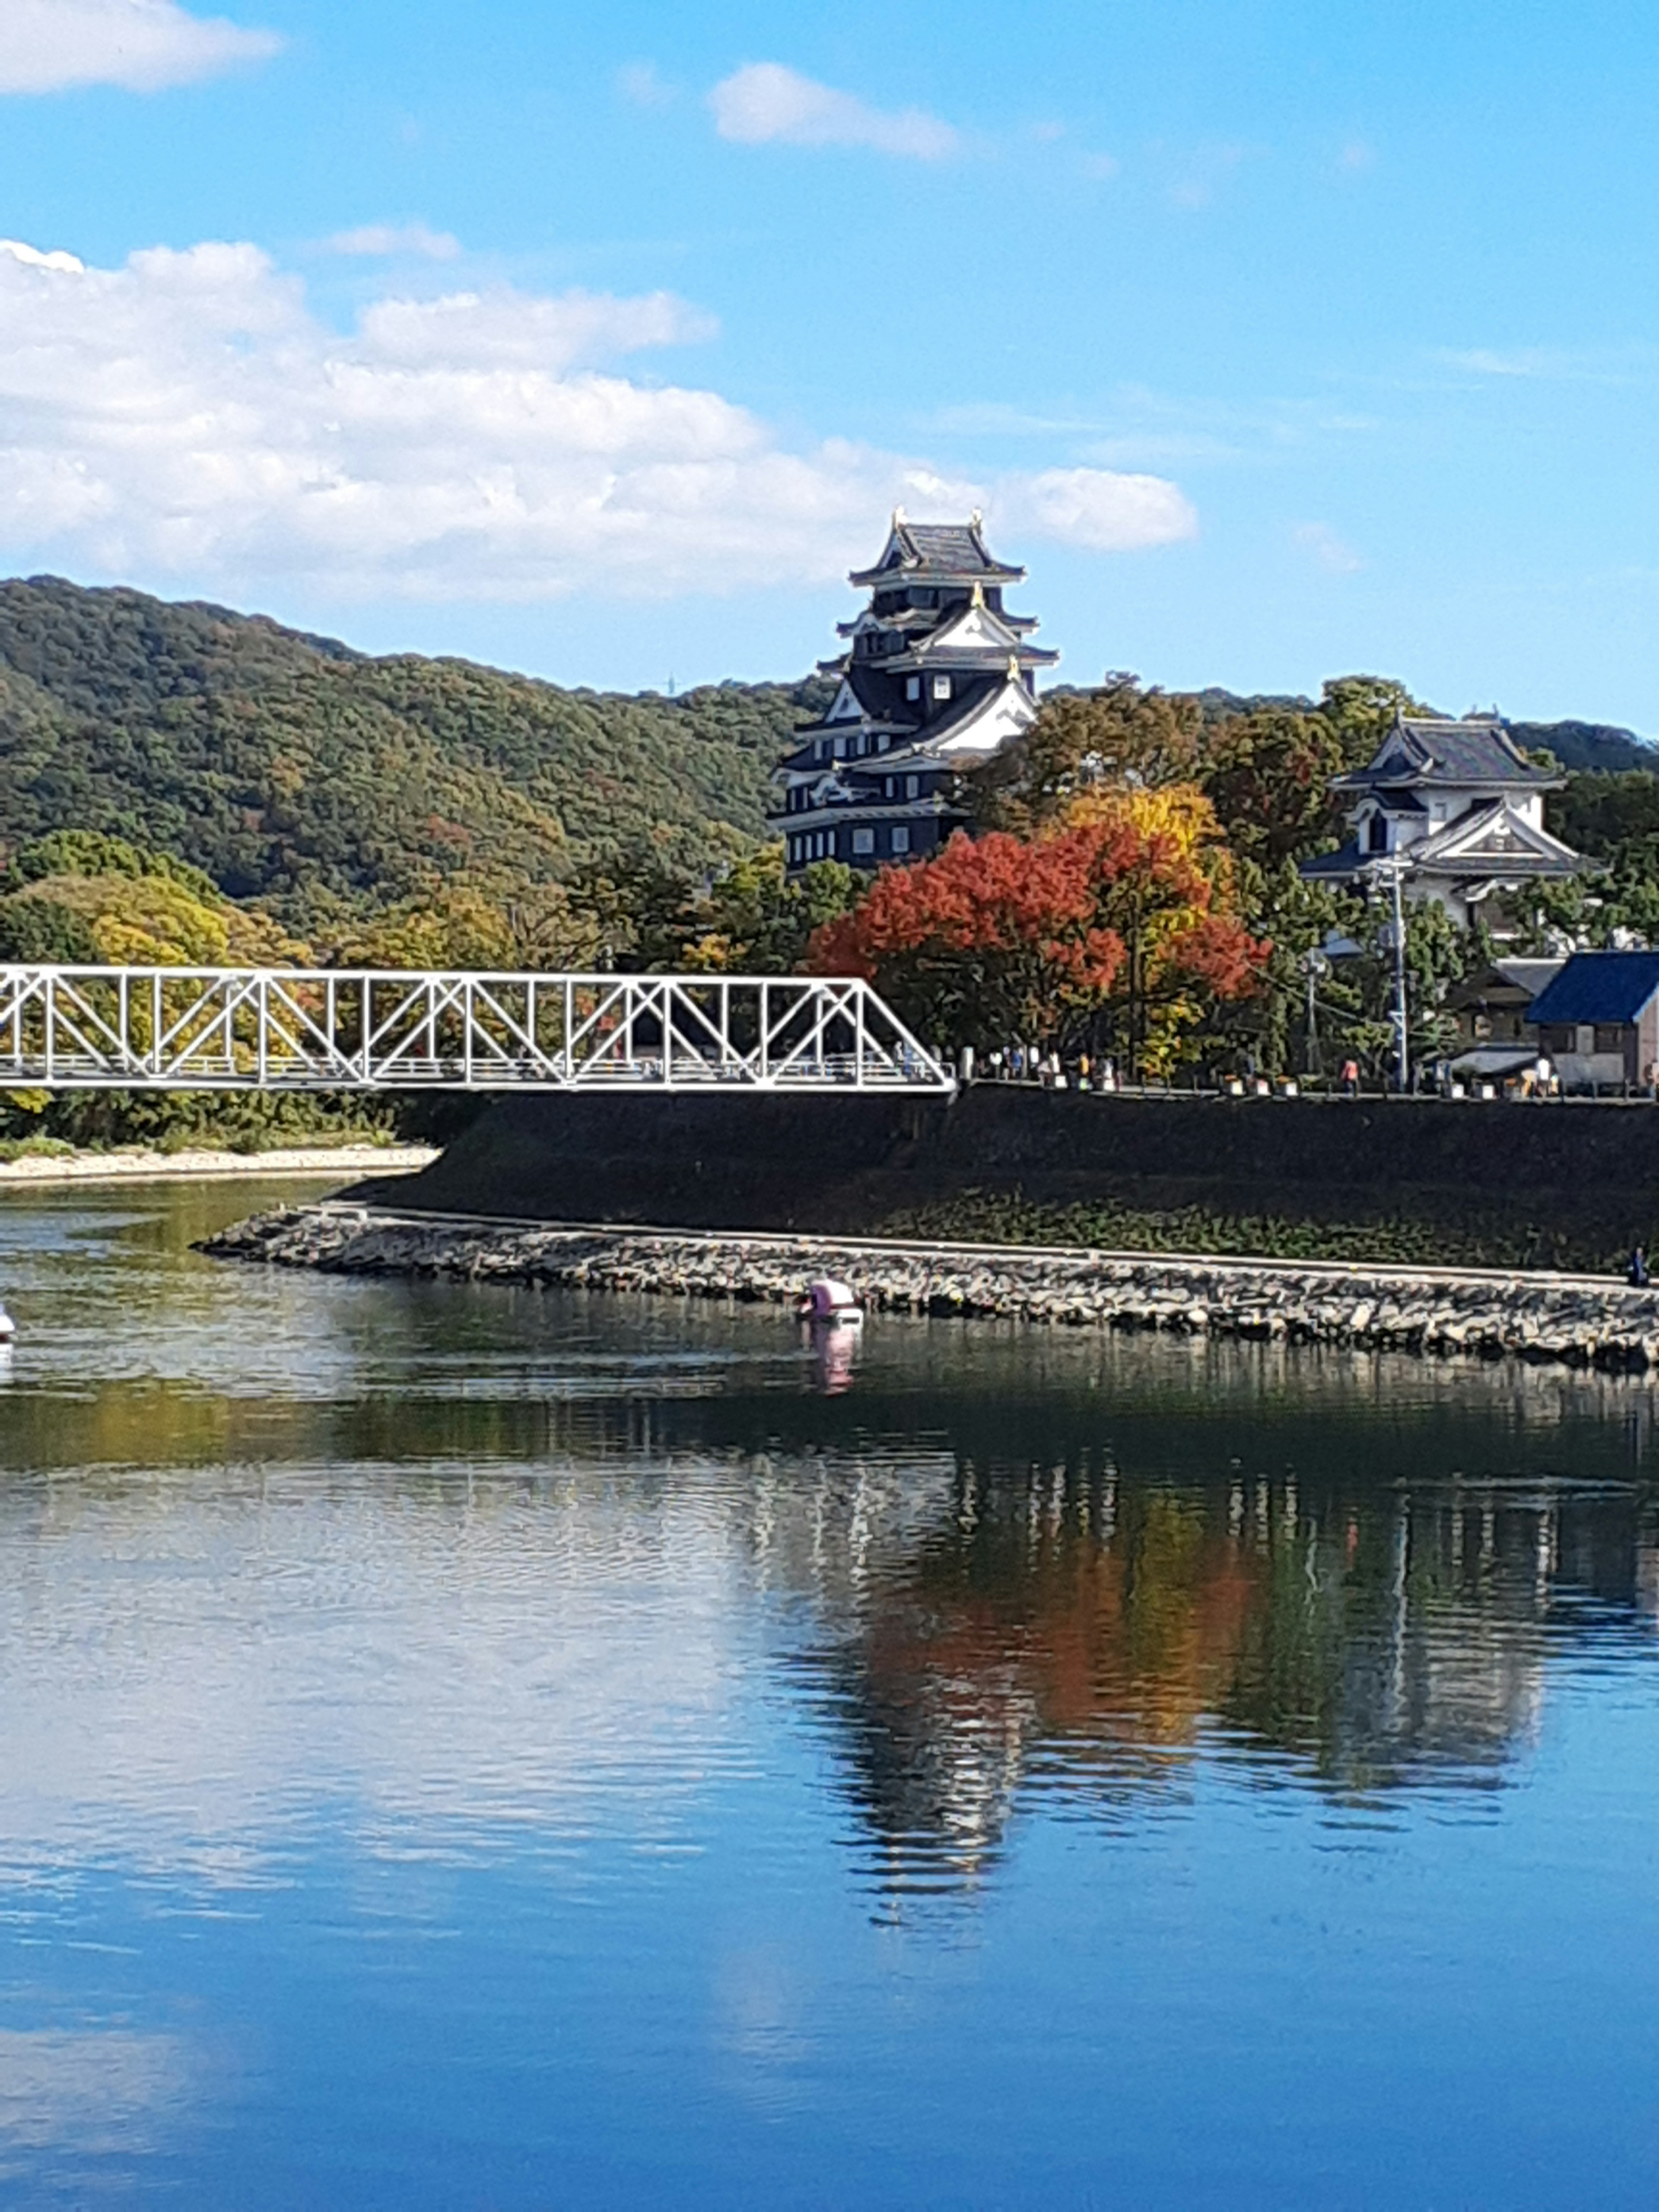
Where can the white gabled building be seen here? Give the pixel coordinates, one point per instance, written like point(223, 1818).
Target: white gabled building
point(1460, 807)
point(938, 677)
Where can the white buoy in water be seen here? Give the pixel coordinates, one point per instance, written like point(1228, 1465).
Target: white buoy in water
point(828, 1300)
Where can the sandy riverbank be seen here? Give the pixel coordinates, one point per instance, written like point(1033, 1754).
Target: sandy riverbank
point(1579, 1320)
point(139, 1164)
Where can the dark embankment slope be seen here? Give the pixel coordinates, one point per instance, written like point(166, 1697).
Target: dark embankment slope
point(1496, 1185)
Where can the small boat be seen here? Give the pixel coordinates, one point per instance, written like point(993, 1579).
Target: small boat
point(8, 1326)
point(828, 1300)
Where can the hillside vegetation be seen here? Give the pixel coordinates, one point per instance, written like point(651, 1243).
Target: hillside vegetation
point(182, 784)
point(318, 781)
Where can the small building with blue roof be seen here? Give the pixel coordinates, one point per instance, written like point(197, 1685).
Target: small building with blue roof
point(1598, 1021)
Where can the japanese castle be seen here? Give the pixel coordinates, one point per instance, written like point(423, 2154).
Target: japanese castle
point(1459, 808)
point(937, 677)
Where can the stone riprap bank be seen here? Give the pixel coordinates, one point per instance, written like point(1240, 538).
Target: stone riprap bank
point(1580, 1321)
point(1423, 1181)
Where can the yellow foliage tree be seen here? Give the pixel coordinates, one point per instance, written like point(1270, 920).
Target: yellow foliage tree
point(154, 921)
point(457, 927)
point(1186, 883)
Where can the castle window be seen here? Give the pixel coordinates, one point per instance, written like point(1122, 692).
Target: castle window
point(883, 742)
point(864, 841)
point(913, 686)
point(901, 837)
point(941, 687)
point(912, 786)
point(1377, 834)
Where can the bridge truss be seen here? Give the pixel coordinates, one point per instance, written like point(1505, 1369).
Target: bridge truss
point(270, 1028)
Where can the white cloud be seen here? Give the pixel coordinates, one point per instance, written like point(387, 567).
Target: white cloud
point(1206, 174)
point(1101, 509)
point(1519, 360)
point(1333, 556)
point(642, 85)
point(32, 257)
point(52, 46)
point(186, 418)
point(765, 103)
point(371, 238)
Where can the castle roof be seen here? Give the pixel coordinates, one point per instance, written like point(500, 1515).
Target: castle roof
point(973, 636)
point(936, 552)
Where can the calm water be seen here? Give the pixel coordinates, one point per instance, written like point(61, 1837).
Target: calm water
point(470, 1748)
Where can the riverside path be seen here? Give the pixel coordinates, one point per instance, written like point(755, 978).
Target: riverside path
point(283, 1029)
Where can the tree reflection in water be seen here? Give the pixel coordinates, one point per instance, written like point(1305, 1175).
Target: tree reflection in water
point(1005, 1567)
point(1093, 1634)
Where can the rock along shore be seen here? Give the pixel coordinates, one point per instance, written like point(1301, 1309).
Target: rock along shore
point(1581, 1321)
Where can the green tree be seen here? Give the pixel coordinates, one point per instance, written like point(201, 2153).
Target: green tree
point(39, 930)
point(1268, 776)
point(1361, 709)
point(1117, 733)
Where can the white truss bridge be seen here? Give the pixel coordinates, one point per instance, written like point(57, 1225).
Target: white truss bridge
point(283, 1029)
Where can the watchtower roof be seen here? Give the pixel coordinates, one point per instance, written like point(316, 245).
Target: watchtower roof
point(1423, 750)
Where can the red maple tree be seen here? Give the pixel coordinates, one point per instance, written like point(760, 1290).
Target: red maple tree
point(1107, 933)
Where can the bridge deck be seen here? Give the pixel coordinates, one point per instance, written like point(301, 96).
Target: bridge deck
point(244, 1029)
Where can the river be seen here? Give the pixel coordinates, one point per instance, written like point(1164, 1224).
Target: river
point(476, 1747)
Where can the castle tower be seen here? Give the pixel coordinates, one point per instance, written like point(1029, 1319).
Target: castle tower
point(937, 677)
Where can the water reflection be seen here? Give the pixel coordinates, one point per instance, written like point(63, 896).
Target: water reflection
point(375, 1592)
point(1085, 1631)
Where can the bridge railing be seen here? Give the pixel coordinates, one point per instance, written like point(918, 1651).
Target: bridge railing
point(281, 1028)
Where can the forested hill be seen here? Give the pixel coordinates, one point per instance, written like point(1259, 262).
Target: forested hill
point(1602, 748)
point(299, 773)
point(321, 782)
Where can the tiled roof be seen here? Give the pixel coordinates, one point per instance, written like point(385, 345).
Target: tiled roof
point(1477, 751)
point(1342, 862)
point(1599, 987)
point(938, 548)
point(1527, 974)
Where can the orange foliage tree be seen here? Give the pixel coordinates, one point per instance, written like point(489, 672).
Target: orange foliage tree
point(1114, 930)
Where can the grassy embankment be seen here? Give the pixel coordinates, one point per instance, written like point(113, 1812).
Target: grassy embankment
point(983, 1216)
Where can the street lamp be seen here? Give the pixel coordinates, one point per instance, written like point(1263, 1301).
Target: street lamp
point(1317, 967)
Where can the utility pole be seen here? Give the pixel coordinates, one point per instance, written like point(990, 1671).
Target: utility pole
point(1400, 1033)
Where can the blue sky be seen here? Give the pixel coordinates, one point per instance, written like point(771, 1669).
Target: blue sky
point(1277, 339)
